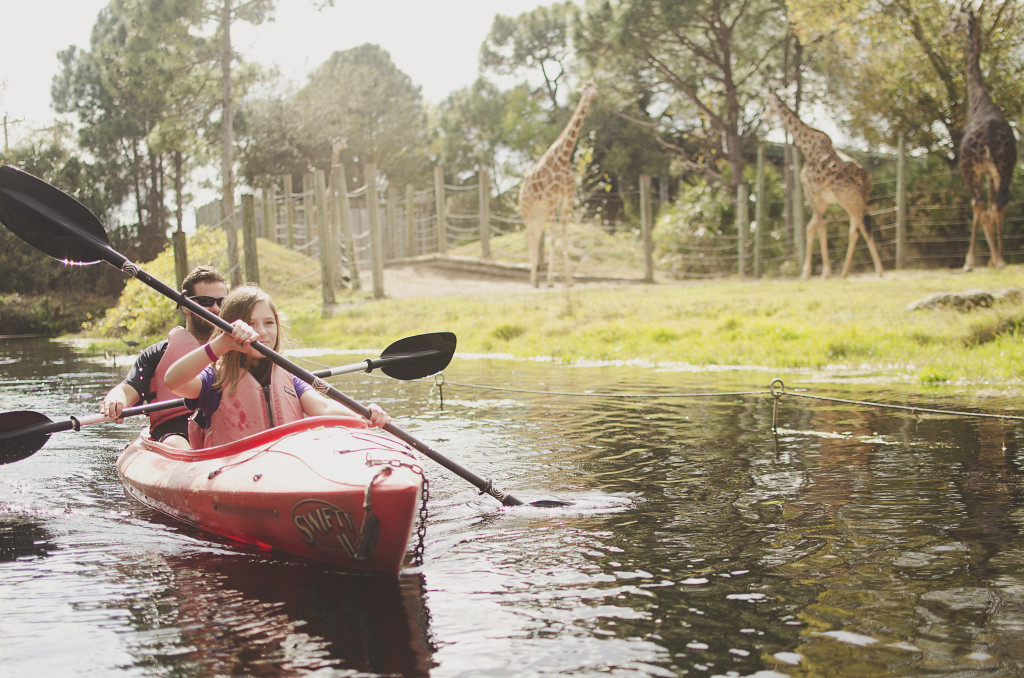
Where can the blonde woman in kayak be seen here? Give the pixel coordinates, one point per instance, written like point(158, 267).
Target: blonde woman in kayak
point(237, 390)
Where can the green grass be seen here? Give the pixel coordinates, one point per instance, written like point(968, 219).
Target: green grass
point(855, 325)
point(860, 325)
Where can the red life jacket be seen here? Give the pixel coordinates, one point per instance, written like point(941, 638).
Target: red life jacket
point(250, 409)
point(179, 342)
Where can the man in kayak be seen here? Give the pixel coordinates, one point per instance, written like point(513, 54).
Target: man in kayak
point(240, 392)
point(206, 286)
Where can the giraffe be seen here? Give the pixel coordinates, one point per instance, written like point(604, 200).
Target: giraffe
point(829, 177)
point(988, 150)
point(549, 188)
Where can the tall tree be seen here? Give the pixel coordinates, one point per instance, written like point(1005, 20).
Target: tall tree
point(534, 42)
point(255, 12)
point(136, 75)
point(473, 133)
point(890, 66)
point(360, 95)
point(701, 63)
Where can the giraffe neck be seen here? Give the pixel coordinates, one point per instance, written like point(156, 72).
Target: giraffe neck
point(808, 139)
point(977, 95)
point(561, 150)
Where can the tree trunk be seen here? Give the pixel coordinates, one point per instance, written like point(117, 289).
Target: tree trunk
point(227, 155)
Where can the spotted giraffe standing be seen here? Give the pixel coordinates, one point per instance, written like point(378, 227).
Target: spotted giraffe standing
point(988, 150)
point(549, 189)
point(829, 177)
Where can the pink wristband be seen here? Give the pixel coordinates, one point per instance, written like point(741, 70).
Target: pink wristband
point(210, 353)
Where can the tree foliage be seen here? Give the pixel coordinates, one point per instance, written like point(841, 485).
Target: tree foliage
point(891, 67)
point(51, 156)
point(140, 94)
point(695, 68)
point(535, 42)
point(357, 99)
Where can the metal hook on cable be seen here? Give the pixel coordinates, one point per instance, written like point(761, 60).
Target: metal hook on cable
point(777, 394)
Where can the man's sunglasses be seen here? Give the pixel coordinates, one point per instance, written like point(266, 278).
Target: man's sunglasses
point(207, 302)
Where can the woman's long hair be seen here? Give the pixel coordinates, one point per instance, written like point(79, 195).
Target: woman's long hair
point(238, 304)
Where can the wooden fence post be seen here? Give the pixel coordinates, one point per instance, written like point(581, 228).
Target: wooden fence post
point(410, 221)
point(252, 267)
point(391, 226)
point(647, 227)
point(327, 240)
point(180, 247)
point(289, 210)
point(376, 237)
point(761, 211)
point(442, 231)
point(308, 214)
point(339, 185)
point(269, 215)
point(799, 232)
point(742, 226)
point(901, 203)
point(485, 213)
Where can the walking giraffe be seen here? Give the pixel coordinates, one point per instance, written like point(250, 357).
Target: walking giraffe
point(829, 177)
point(549, 189)
point(988, 150)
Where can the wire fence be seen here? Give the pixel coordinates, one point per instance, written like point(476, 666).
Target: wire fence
point(431, 221)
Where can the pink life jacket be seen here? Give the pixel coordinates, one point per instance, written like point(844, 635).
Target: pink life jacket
point(179, 342)
point(249, 410)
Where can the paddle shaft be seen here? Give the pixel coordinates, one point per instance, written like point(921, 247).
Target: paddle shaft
point(319, 384)
point(48, 427)
point(54, 222)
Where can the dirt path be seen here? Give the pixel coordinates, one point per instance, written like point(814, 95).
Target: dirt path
point(425, 280)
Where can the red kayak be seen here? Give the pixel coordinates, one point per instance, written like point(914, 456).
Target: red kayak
point(316, 488)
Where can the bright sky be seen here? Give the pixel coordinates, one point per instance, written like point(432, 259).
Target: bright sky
point(434, 42)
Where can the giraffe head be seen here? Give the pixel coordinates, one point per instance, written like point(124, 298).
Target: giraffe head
point(589, 91)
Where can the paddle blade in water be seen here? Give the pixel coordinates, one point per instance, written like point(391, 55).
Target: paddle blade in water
point(18, 438)
point(51, 220)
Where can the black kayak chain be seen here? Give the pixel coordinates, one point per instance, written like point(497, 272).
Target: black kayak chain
point(421, 529)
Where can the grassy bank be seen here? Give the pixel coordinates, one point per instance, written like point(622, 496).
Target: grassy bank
point(857, 325)
point(860, 325)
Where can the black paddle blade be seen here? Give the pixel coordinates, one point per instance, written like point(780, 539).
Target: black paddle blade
point(549, 503)
point(418, 356)
point(17, 438)
point(51, 220)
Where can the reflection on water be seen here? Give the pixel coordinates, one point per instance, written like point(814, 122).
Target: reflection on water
point(857, 541)
point(231, 615)
point(22, 538)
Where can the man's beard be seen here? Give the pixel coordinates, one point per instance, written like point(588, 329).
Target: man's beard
point(202, 329)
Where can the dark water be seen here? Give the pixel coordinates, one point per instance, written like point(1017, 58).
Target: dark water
point(859, 541)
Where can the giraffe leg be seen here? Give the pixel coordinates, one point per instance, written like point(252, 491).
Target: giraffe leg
point(997, 223)
point(862, 225)
point(566, 264)
point(549, 255)
point(978, 211)
point(811, 234)
point(869, 238)
point(826, 267)
point(534, 238)
point(854, 233)
point(990, 226)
